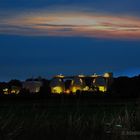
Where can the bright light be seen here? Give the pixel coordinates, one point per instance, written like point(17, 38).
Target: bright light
point(5, 90)
point(37, 89)
point(57, 89)
point(60, 76)
point(81, 75)
point(102, 88)
point(106, 75)
point(67, 91)
point(86, 88)
point(74, 89)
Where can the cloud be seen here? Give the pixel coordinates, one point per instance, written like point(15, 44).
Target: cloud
point(84, 24)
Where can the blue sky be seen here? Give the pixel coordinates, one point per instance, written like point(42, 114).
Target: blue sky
point(28, 51)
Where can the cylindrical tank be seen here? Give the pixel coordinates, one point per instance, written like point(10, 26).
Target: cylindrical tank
point(77, 84)
point(100, 83)
point(57, 85)
point(109, 79)
point(108, 75)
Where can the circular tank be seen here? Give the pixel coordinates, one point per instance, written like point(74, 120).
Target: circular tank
point(57, 85)
point(100, 83)
point(77, 84)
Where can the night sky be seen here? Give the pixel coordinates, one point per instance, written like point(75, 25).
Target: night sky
point(49, 37)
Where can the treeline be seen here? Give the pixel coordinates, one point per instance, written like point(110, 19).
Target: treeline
point(122, 87)
point(126, 87)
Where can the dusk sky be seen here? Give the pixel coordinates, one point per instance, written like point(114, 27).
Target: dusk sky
point(49, 37)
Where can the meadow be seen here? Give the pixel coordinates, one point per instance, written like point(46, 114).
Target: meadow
point(68, 119)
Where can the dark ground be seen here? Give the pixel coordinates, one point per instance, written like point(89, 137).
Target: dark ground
point(64, 118)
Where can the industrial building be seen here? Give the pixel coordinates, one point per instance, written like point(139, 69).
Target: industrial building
point(81, 83)
point(57, 85)
point(32, 86)
point(64, 84)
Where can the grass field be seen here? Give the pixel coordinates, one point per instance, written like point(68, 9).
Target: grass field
point(86, 119)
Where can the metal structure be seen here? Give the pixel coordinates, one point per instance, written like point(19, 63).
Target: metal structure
point(98, 82)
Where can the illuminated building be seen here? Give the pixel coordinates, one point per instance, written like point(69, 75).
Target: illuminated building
point(57, 85)
point(62, 84)
point(100, 83)
point(15, 90)
point(109, 78)
point(71, 84)
point(77, 84)
point(5, 88)
point(32, 86)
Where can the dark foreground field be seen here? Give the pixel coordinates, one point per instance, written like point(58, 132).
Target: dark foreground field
point(69, 119)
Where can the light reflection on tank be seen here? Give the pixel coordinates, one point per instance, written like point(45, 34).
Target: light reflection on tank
point(57, 86)
point(77, 84)
point(100, 83)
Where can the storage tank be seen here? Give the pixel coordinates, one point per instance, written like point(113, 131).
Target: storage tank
point(57, 85)
point(100, 83)
point(109, 78)
point(32, 86)
point(77, 84)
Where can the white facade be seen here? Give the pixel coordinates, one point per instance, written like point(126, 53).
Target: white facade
point(32, 86)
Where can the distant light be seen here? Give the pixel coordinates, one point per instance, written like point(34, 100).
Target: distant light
point(6, 91)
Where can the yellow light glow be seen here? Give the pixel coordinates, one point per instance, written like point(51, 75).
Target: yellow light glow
point(74, 89)
point(81, 75)
point(86, 88)
point(106, 75)
point(67, 91)
point(57, 90)
point(60, 76)
point(102, 88)
point(5, 91)
point(13, 91)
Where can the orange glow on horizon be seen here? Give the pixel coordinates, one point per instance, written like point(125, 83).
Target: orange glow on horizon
point(70, 24)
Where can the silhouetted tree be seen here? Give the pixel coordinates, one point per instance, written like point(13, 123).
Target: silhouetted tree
point(15, 83)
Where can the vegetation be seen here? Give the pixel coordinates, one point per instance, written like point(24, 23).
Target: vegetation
point(69, 119)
